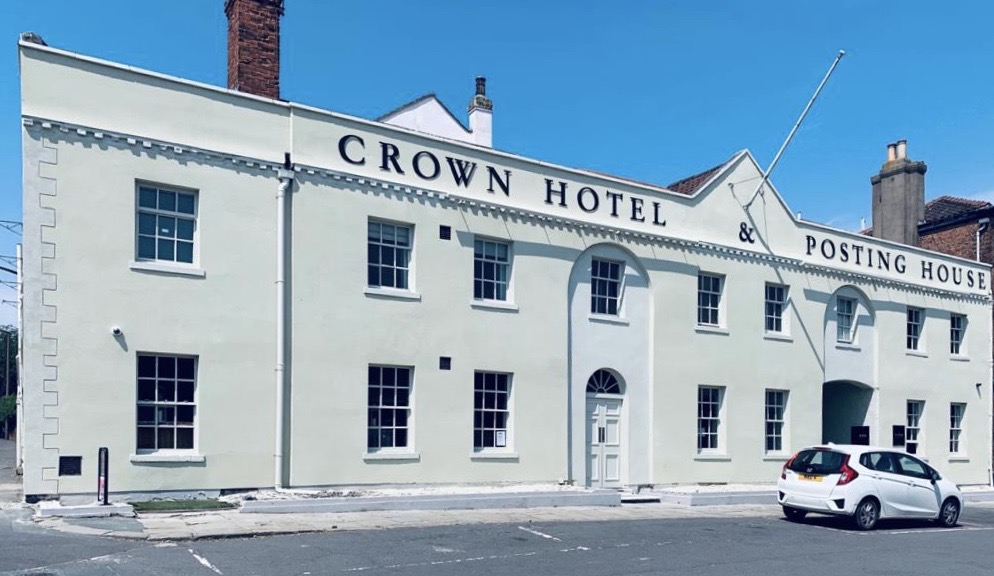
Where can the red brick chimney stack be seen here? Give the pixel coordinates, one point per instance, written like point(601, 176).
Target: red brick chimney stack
point(254, 46)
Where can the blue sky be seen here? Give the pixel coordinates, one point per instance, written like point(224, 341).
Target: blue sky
point(653, 91)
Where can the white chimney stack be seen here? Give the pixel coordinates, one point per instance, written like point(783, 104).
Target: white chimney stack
point(891, 152)
point(902, 149)
point(481, 115)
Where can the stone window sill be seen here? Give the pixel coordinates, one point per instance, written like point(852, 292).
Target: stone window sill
point(716, 457)
point(959, 358)
point(776, 457)
point(608, 319)
point(392, 293)
point(711, 330)
point(395, 456)
point(959, 458)
point(916, 354)
point(167, 268)
point(495, 305)
point(166, 458)
point(850, 347)
point(778, 337)
point(494, 456)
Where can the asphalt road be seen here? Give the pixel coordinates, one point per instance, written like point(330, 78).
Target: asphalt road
point(743, 546)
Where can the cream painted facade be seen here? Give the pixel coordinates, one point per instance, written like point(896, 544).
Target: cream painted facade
point(93, 132)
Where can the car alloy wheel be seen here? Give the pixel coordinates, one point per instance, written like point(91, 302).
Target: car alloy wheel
point(949, 514)
point(867, 514)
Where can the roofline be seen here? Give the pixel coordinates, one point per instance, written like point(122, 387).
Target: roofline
point(289, 105)
point(939, 225)
point(415, 102)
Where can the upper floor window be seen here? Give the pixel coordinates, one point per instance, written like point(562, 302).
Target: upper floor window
point(605, 286)
point(845, 310)
point(776, 300)
point(916, 316)
point(167, 220)
point(389, 407)
point(708, 299)
point(166, 404)
point(389, 255)
point(957, 327)
point(491, 269)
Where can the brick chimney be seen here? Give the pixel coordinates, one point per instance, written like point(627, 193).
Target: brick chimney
point(254, 46)
point(899, 196)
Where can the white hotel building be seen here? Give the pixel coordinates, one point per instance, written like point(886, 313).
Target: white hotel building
point(232, 291)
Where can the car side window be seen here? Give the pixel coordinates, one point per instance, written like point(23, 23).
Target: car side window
point(908, 466)
point(879, 461)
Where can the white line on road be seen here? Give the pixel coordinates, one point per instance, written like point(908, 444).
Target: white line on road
point(205, 562)
point(537, 533)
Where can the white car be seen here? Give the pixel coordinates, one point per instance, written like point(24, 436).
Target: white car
point(866, 483)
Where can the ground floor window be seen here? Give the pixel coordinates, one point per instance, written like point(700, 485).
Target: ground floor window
point(776, 409)
point(389, 409)
point(708, 417)
point(166, 405)
point(491, 410)
point(956, 413)
point(913, 430)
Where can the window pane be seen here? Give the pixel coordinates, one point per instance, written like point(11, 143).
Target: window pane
point(146, 224)
point(146, 197)
point(167, 366)
point(167, 201)
point(184, 415)
point(184, 252)
point(166, 440)
point(184, 438)
point(166, 250)
point(184, 229)
point(146, 438)
point(400, 437)
point(146, 390)
point(184, 203)
point(146, 247)
point(185, 368)
point(184, 391)
point(146, 415)
point(146, 366)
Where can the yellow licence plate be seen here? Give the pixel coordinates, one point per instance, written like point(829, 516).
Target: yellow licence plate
point(809, 477)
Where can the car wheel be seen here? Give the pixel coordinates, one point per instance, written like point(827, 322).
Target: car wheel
point(793, 514)
point(866, 515)
point(949, 513)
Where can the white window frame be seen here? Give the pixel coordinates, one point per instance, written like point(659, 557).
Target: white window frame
point(501, 276)
point(407, 268)
point(957, 416)
point(915, 331)
point(775, 417)
point(166, 234)
point(615, 277)
point(957, 334)
point(845, 319)
point(914, 430)
point(710, 420)
point(383, 407)
point(161, 381)
point(775, 311)
point(710, 300)
point(483, 392)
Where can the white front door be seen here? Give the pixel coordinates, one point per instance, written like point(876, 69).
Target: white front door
point(604, 442)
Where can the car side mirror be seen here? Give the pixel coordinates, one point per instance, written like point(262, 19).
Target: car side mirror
point(934, 477)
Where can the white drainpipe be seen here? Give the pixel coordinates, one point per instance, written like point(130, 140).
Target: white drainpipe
point(285, 175)
point(983, 223)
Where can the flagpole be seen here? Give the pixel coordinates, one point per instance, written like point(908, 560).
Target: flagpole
point(766, 174)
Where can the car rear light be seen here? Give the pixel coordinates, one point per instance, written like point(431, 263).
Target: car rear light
point(783, 473)
point(847, 474)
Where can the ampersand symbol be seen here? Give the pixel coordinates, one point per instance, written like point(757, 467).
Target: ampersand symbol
point(745, 233)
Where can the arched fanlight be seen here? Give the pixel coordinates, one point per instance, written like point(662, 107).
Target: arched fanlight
point(603, 382)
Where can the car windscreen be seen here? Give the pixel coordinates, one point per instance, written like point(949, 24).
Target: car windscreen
point(818, 462)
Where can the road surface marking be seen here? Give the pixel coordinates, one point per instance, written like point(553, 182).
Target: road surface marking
point(205, 562)
point(537, 533)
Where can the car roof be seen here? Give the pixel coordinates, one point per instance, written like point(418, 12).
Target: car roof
point(854, 449)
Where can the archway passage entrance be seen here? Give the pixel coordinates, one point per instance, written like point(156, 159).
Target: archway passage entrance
point(604, 438)
point(845, 412)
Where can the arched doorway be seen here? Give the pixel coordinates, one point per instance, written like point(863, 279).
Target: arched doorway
point(846, 412)
point(605, 448)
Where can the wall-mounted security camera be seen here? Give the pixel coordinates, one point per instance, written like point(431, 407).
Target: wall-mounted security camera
point(116, 331)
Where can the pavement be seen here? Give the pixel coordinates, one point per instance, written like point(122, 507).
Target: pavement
point(288, 513)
